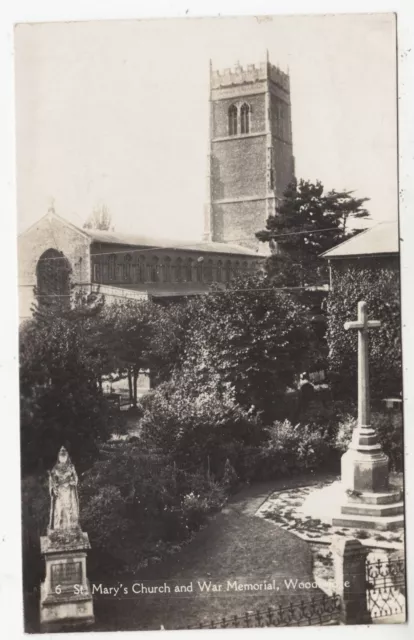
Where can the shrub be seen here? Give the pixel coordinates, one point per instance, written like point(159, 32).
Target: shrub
point(136, 503)
point(389, 427)
point(195, 423)
point(290, 450)
point(230, 479)
point(35, 517)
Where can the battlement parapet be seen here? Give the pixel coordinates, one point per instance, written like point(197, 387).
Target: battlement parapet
point(251, 73)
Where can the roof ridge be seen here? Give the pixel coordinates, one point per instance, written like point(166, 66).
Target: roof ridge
point(349, 239)
point(52, 213)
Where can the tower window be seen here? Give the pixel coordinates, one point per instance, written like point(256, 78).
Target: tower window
point(233, 120)
point(245, 118)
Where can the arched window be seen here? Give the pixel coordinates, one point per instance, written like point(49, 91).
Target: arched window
point(167, 269)
point(136, 272)
point(219, 271)
point(127, 267)
point(188, 270)
point(179, 270)
point(209, 271)
point(232, 120)
point(154, 270)
point(53, 272)
point(236, 270)
point(142, 270)
point(112, 263)
point(245, 118)
point(199, 270)
point(228, 271)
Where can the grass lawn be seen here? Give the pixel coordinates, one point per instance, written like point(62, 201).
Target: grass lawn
point(234, 546)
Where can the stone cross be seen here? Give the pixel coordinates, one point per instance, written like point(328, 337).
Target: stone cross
point(363, 324)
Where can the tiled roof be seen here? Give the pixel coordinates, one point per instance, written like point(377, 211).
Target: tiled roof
point(130, 239)
point(380, 239)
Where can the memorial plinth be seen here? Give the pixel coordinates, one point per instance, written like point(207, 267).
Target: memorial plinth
point(369, 501)
point(65, 595)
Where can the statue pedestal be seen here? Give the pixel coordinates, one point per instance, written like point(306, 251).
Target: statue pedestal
point(369, 501)
point(65, 595)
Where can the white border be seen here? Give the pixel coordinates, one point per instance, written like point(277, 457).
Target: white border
point(49, 10)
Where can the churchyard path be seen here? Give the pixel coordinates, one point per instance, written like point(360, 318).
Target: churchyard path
point(234, 546)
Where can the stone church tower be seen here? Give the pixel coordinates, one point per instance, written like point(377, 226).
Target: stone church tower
point(250, 157)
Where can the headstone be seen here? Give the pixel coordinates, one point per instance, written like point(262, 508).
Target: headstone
point(369, 502)
point(65, 596)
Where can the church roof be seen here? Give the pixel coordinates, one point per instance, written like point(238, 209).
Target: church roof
point(139, 240)
point(381, 239)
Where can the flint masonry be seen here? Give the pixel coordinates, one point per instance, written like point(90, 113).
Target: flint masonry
point(251, 155)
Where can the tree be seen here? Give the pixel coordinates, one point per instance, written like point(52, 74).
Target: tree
point(100, 218)
point(307, 223)
point(61, 403)
point(139, 336)
point(255, 337)
point(380, 288)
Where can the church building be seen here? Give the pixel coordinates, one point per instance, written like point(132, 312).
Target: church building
point(249, 166)
point(251, 154)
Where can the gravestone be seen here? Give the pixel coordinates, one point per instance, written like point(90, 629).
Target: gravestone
point(65, 596)
point(369, 501)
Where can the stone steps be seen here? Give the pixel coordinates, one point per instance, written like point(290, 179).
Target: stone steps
point(383, 510)
point(388, 497)
point(380, 523)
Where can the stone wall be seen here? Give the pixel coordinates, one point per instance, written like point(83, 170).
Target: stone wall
point(50, 232)
point(238, 221)
point(239, 168)
point(257, 114)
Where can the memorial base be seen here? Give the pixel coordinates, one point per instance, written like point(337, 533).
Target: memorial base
point(65, 595)
point(369, 502)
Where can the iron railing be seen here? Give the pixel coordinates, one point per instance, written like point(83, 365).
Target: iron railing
point(321, 610)
point(385, 587)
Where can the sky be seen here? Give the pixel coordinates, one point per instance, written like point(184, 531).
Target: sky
point(115, 113)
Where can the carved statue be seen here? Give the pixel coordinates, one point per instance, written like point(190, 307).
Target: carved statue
point(64, 507)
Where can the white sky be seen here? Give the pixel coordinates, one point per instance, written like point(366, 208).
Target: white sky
point(116, 113)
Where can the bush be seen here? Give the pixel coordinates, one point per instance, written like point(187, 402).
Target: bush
point(35, 517)
point(389, 427)
point(230, 479)
point(291, 450)
point(136, 503)
point(198, 425)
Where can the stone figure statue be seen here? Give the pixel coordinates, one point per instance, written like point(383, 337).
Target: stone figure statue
point(63, 481)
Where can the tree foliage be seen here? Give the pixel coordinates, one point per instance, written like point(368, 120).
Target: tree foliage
point(59, 370)
point(139, 336)
point(253, 337)
point(199, 423)
point(380, 290)
point(308, 222)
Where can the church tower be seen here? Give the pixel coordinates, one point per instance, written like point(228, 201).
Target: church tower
point(250, 157)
